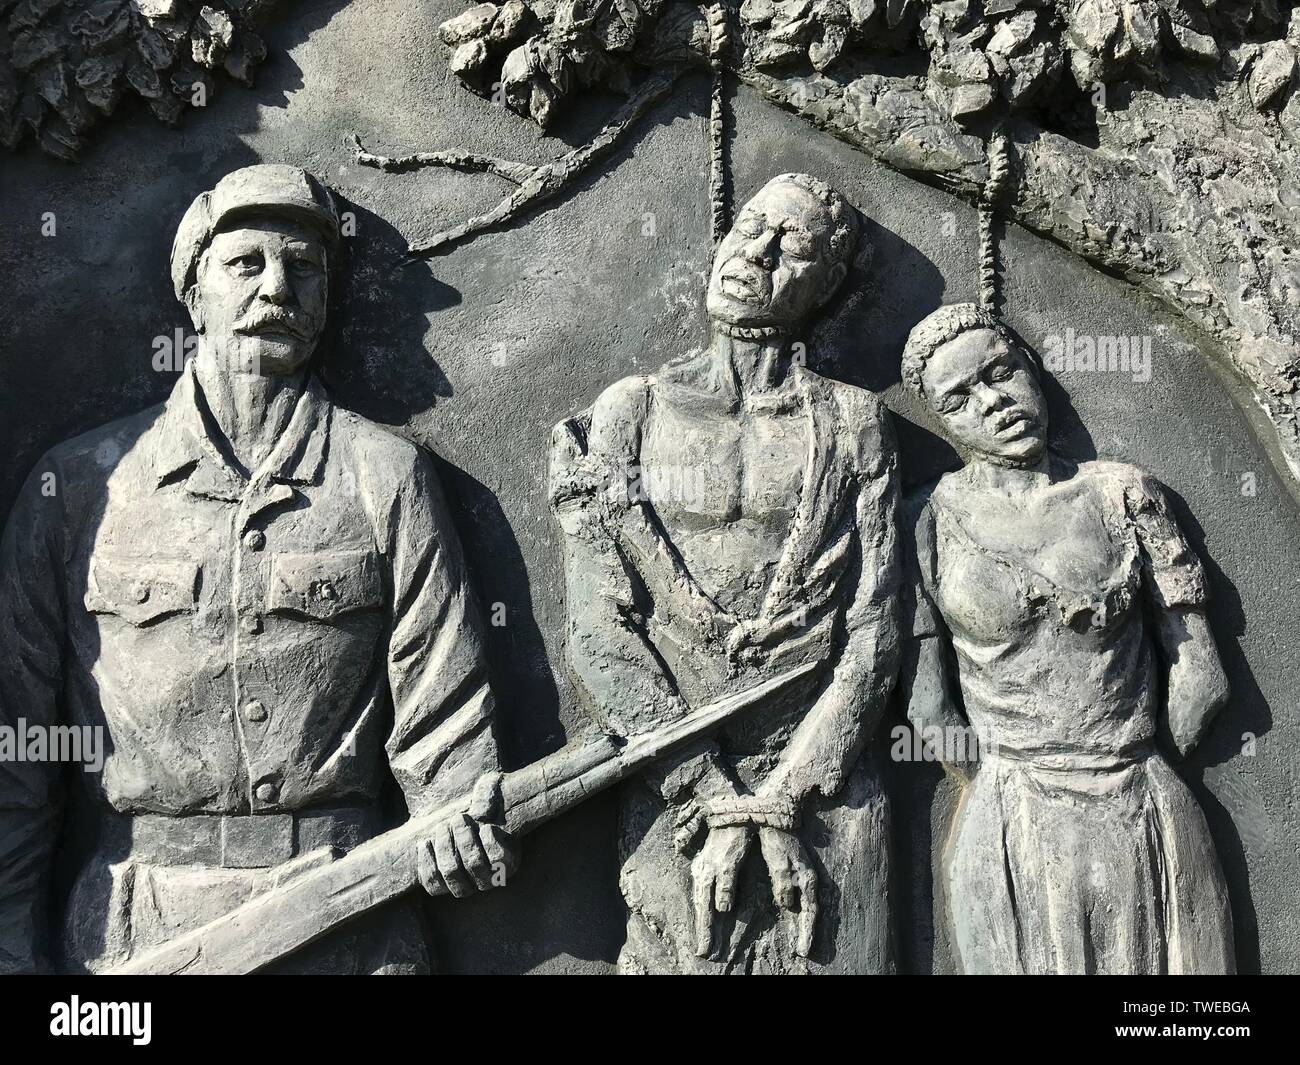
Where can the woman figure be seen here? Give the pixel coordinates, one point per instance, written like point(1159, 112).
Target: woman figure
point(1076, 848)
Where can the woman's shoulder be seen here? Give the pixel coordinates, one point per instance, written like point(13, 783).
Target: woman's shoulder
point(1137, 485)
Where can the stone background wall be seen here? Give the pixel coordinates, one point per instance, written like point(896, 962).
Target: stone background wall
point(477, 354)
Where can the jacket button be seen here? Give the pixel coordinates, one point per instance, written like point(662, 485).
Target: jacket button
point(140, 592)
point(254, 540)
point(267, 792)
point(255, 711)
point(250, 624)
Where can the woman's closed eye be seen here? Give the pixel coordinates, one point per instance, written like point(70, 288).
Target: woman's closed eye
point(1001, 372)
point(953, 402)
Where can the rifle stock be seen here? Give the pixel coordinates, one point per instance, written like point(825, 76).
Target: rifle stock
point(319, 891)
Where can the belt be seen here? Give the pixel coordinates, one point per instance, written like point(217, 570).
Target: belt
point(241, 841)
point(1073, 761)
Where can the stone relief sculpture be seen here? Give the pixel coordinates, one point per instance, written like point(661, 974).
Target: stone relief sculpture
point(724, 519)
point(237, 586)
point(1153, 134)
point(259, 598)
point(1069, 601)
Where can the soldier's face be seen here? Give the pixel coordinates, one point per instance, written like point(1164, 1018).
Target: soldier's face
point(261, 294)
point(775, 266)
point(988, 396)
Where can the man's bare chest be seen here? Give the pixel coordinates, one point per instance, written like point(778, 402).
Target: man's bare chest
point(712, 469)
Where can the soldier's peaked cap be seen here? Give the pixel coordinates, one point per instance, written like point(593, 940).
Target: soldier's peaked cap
point(264, 189)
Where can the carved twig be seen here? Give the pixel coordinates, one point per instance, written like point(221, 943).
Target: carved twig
point(535, 183)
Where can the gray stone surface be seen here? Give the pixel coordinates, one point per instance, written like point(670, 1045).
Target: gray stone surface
point(479, 354)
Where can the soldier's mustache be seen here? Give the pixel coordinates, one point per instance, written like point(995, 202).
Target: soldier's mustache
point(273, 323)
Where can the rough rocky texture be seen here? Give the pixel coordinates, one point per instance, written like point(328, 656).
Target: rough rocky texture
point(1157, 138)
point(478, 354)
point(64, 64)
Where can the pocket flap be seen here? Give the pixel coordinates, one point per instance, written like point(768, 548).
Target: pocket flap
point(141, 589)
point(324, 585)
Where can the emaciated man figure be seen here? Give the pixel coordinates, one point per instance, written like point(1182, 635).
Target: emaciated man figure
point(727, 519)
point(261, 600)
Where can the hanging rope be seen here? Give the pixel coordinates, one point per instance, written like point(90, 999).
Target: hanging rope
point(991, 196)
point(716, 16)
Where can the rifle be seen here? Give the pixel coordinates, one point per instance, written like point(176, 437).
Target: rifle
point(322, 890)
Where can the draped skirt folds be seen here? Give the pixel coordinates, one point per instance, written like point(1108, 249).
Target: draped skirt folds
point(1086, 867)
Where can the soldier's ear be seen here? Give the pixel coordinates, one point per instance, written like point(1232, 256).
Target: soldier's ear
point(194, 307)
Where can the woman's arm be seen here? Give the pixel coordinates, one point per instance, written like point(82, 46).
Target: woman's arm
point(925, 689)
point(1177, 593)
point(1197, 686)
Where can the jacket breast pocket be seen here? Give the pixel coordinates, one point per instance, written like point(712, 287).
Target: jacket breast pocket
point(141, 590)
point(324, 585)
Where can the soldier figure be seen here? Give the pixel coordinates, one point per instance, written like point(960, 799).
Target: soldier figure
point(259, 597)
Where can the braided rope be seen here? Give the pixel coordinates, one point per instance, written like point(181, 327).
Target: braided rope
point(716, 16)
point(995, 188)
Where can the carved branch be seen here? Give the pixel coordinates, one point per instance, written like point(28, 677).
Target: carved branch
point(518, 173)
point(536, 184)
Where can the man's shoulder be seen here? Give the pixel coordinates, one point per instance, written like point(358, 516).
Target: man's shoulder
point(861, 424)
point(625, 396)
point(619, 410)
point(378, 448)
point(99, 452)
point(853, 400)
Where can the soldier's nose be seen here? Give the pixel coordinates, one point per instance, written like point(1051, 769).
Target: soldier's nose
point(275, 284)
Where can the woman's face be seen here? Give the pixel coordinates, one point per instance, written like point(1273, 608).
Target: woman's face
point(987, 393)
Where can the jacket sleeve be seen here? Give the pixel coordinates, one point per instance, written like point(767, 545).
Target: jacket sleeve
point(830, 738)
point(443, 734)
point(622, 681)
point(31, 679)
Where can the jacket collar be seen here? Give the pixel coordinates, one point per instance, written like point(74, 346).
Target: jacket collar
point(183, 441)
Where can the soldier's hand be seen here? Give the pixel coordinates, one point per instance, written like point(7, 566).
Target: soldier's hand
point(468, 852)
point(794, 882)
point(713, 879)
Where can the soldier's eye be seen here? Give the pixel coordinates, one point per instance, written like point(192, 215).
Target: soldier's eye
point(952, 403)
point(245, 264)
point(1001, 372)
point(749, 227)
point(306, 266)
